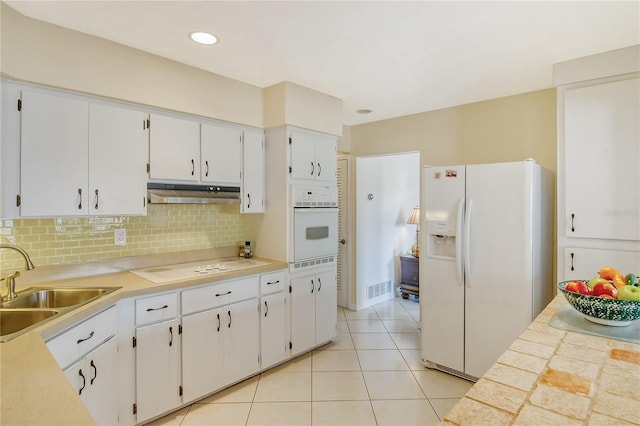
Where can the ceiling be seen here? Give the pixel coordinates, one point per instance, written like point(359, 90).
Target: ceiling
point(393, 57)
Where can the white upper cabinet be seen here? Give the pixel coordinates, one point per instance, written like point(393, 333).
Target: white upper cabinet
point(313, 156)
point(80, 158)
point(220, 154)
point(602, 148)
point(118, 153)
point(53, 155)
point(174, 148)
point(253, 177)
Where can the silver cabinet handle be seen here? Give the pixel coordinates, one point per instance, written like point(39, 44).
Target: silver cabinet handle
point(206, 163)
point(319, 169)
point(266, 311)
point(218, 322)
point(313, 286)
point(96, 206)
point(79, 198)
point(223, 294)
point(170, 336)
point(249, 201)
point(193, 167)
point(313, 169)
point(319, 284)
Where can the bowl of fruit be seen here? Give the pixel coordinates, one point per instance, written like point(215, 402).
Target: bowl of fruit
point(609, 298)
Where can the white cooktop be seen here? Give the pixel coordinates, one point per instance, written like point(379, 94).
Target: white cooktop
point(185, 271)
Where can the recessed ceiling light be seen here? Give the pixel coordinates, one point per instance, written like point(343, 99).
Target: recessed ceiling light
point(364, 111)
point(203, 38)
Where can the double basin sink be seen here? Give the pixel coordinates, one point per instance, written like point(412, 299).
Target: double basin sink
point(35, 305)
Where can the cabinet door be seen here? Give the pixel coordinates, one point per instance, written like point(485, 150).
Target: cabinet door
point(157, 369)
point(326, 158)
point(241, 340)
point(303, 160)
point(202, 353)
point(95, 379)
point(326, 306)
point(602, 147)
point(273, 344)
point(253, 172)
point(220, 154)
point(53, 155)
point(583, 263)
point(118, 154)
point(303, 313)
point(174, 148)
point(102, 382)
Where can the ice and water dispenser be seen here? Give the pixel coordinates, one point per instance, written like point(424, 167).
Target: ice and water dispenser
point(441, 239)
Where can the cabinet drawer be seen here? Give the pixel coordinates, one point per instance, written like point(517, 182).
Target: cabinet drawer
point(74, 343)
point(156, 308)
point(214, 295)
point(272, 283)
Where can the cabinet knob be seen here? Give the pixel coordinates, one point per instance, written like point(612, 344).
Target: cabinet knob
point(343, 241)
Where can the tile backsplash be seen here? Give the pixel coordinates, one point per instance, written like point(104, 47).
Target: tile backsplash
point(166, 228)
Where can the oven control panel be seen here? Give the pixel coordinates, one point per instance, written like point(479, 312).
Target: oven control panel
point(314, 196)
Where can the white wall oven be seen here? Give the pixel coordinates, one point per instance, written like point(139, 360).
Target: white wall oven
point(314, 225)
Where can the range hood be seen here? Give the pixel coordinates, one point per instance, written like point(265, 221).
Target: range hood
point(169, 193)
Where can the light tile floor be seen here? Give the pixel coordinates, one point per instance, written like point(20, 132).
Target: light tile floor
point(370, 374)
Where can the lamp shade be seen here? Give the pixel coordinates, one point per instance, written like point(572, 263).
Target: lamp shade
point(414, 219)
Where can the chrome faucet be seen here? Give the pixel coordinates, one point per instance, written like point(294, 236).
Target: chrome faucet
point(11, 278)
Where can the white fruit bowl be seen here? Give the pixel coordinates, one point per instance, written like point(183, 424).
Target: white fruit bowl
point(600, 310)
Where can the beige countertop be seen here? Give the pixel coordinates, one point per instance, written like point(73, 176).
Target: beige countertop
point(33, 388)
point(550, 376)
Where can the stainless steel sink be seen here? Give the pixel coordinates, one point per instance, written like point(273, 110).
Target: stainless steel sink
point(54, 298)
point(15, 320)
point(38, 304)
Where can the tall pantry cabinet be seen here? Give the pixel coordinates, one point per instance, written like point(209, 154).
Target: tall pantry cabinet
point(598, 173)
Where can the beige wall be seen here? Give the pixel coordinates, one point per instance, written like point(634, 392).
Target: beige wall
point(47, 54)
point(506, 129)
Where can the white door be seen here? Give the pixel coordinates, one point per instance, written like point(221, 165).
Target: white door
point(202, 353)
point(102, 381)
point(220, 154)
point(118, 155)
point(441, 279)
point(498, 271)
point(326, 157)
point(302, 151)
point(157, 369)
point(241, 340)
point(273, 344)
point(303, 313)
point(253, 172)
point(53, 155)
point(343, 232)
point(174, 148)
point(326, 306)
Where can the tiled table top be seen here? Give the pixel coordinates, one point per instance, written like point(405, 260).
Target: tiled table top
point(555, 377)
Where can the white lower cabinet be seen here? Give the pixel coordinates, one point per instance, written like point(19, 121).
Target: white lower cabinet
point(273, 337)
point(221, 344)
point(95, 378)
point(88, 355)
point(157, 347)
point(313, 310)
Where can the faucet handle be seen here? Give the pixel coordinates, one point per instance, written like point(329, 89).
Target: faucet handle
point(11, 285)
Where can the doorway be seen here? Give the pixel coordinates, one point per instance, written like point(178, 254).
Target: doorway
point(343, 178)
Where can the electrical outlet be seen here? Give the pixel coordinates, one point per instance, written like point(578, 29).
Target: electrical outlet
point(120, 237)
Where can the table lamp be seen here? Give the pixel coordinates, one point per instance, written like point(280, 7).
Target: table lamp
point(414, 219)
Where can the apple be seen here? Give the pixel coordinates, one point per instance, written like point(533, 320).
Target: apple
point(629, 292)
point(578, 287)
point(632, 279)
point(595, 280)
point(605, 288)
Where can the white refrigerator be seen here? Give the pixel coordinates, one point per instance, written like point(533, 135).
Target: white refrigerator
point(486, 262)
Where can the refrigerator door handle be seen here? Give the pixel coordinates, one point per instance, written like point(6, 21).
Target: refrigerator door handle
point(459, 232)
point(467, 241)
